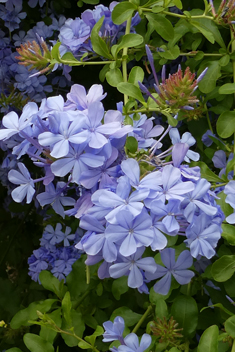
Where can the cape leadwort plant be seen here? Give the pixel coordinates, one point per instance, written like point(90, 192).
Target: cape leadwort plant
point(146, 214)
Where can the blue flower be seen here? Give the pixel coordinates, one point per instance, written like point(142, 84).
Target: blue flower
point(114, 331)
point(132, 343)
point(22, 178)
point(202, 236)
point(177, 269)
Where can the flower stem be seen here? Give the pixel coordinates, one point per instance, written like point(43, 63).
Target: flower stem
point(124, 56)
point(233, 62)
point(144, 316)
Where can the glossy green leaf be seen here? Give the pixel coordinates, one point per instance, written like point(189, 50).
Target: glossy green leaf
point(131, 144)
point(36, 343)
point(114, 77)
point(229, 233)
point(92, 338)
point(129, 41)
point(77, 323)
point(223, 268)
point(161, 310)
point(51, 283)
point(14, 349)
point(84, 345)
point(230, 326)
point(98, 44)
point(225, 207)
point(70, 60)
point(171, 53)
point(130, 317)
point(204, 30)
point(91, 2)
point(185, 312)
point(161, 25)
point(206, 172)
point(30, 313)
point(226, 124)
point(47, 333)
point(131, 90)
point(55, 53)
point(66, 308)
point(213, 73)
point(224, 61)
point(122, 12)
point(209, 340)
point(227, 88)
point(136, 75)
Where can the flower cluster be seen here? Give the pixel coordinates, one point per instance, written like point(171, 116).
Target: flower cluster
point(75, 34)
point(56, 253)
point(122, 210)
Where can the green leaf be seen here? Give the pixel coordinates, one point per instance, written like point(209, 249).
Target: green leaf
point(230, 326)
point(14, 349)
point(48, 334)
point(157, 9)
point(204, 30)
point(229, 233)
point(223, 268)
point(225, 207)
point(78, 325)
point(119, 286)
point(218, 305)
point(213, 73)
point(30, 313)
point(226, 124)
point(161, 310)
point(98, 44)
point(70, 60)
point(114, 77)
point(206, 172)
point(227, 88)
point(66, 308)
point(130, 317)
point(51, 283)
point(84, 345)
point(161, 25)
point(224, 61)
point(171, 54)
point(98, 332)
point(131, 90)
point(129, 41)
point(122, 12)
point(185, 312)
point(103, 72)
point(55, 53)
point(91, 2)
point(209, 340)
point(36, 343)
point(136, 75)
point(131, 144)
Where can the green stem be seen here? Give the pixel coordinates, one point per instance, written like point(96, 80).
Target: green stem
point(144, 316)
point(208, 119)
point(219, 185)
point(124, 56)
point(77, 337)
point(77, 304)
point(233, 62)
point(88, 276)
point(85, 63)
point(186, 349)
point(194, 54)
point(178, 15)
point(233, 346)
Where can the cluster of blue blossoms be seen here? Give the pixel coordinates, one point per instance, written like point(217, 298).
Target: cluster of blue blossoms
point(56, 253)
point(79, 146)
point(75, 33)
